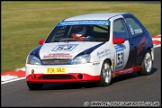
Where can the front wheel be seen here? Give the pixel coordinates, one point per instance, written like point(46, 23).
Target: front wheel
point(106, 74)
point(146, 64)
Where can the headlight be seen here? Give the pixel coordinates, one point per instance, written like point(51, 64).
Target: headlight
point(82, 59)
point(33, 60)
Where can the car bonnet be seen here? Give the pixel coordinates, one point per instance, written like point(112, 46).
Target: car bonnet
point(64, 50)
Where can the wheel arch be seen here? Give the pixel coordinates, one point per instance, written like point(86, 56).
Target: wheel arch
point(108, 60)
point(151, 50)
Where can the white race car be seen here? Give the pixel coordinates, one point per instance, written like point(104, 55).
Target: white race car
point(91, 48)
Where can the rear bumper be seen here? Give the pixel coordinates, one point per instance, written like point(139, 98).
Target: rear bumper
point(61, 78)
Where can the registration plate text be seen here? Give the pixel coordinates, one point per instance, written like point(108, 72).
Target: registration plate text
point(56, 70)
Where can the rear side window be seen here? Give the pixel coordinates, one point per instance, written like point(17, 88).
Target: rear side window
point(134, 27)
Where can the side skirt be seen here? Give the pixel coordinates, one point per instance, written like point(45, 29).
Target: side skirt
point(126, 71)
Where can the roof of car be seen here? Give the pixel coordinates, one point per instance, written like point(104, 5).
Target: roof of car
point(95, 16)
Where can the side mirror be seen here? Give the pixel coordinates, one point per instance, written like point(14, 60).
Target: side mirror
point(41, 42)
point(118, 40)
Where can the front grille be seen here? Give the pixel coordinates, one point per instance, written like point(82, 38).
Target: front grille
point(56, 77)
point(56, 61)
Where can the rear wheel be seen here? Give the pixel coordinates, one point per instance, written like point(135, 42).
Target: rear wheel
point(34, 86)
point(146, 64)
point(106, 74)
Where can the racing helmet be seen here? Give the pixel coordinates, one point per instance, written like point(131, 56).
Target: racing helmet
point(82, 32)
point(79, 30)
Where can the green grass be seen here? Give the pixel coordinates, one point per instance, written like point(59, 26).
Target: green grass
point(24, 23)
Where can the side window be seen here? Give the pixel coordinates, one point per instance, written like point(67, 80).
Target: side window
point(101, 29)
point(100, 32)
point(134, 27)
point(119, 29)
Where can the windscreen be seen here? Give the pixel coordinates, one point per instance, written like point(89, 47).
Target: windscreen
point(80, 31)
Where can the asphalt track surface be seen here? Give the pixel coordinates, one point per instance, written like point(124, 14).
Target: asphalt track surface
point(125, 88)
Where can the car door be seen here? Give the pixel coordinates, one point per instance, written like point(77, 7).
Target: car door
point(137, 42)
point(122, 50)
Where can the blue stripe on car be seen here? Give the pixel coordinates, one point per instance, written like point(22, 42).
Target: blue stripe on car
point(89, 51)
point(35, 52)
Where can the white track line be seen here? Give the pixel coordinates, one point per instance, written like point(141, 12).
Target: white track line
point(13, 80)
point(157, 46)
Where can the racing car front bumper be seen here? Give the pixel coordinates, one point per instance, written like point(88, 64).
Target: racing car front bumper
point(73, 73)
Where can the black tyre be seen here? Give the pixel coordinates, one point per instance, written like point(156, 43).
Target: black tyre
point(106, 74)
point(146, 65)
point(34, 86)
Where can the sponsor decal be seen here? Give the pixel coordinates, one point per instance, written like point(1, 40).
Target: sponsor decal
point(58, 56)
point(125, 71)
point(131, 29)
point(137, 31)
point(113, 62)
point(64, 47)
point(113, 65)
point(103, 53)
point(119, 56)
point(84, 22)
point(96, 63)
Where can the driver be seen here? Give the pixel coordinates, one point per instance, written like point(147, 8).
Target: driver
point(80, 33)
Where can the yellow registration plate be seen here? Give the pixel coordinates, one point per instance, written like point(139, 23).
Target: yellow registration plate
point(56, 70)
